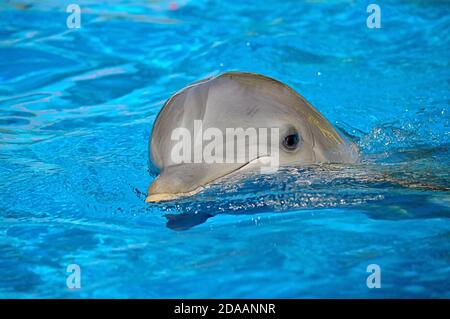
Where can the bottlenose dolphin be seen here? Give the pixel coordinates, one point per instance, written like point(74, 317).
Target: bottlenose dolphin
point(239, 100)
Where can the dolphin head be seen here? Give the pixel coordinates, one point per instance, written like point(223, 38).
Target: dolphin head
point(198, 127)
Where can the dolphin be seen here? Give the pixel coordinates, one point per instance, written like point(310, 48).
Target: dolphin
point(239, 100)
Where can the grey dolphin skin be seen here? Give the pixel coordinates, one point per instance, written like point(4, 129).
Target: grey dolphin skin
point(240, 100)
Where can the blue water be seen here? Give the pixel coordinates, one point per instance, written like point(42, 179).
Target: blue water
point(76, 111)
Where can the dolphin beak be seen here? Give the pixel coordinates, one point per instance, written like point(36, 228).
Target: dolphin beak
point(169, 186)
point(155, 198)
point(163, 189)
point(184, 180)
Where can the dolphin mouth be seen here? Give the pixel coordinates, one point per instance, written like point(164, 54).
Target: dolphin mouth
point(164, 196)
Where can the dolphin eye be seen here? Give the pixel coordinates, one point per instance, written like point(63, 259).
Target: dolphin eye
point(291, 141)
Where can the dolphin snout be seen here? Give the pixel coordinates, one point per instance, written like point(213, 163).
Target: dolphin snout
point(186, 180)
point(168, 186)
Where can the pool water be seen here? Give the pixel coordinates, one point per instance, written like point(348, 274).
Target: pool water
point(76, 112)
